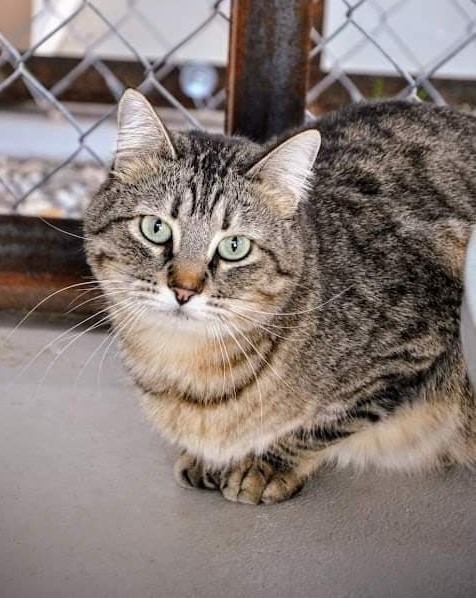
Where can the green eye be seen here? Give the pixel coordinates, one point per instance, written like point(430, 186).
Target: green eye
point(234, 248)
point(155, 230)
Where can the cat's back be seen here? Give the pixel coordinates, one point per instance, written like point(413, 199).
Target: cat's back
point(398, 157)
point(393, 205)
point(398, 147)
point(396, 125)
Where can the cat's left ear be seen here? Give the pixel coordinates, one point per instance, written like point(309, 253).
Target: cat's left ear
point(140, 130)
point(289, 166)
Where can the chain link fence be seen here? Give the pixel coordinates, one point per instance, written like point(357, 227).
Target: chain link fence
point(108, 45)
point(373, 49)
point(65, 63)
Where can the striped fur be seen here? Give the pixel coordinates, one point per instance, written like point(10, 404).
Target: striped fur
point(336, 340)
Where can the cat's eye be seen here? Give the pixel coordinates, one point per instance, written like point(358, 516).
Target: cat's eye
point(234, 248)
point(155, 230)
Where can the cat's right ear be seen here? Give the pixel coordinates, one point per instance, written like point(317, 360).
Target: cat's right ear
point(289, 166)
point(139, 130)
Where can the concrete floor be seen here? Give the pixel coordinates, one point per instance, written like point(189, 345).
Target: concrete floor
point(89, 508)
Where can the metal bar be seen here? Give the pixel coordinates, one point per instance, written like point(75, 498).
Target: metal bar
point(39, 257)
point(268, 66)
point(89, 85)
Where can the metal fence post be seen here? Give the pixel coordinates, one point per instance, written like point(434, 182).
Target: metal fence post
point(268, 66)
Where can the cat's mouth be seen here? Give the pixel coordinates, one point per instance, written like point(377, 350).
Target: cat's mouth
point(166, 311)
point(180, 313)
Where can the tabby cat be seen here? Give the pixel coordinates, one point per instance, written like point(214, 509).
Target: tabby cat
point(293, 305)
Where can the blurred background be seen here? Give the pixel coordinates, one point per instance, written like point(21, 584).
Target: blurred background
point(235, 66)
point(65, 63)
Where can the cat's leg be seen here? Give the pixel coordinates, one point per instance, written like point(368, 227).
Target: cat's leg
point(283, 469)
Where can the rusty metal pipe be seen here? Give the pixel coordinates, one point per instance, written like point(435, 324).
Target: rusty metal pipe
point(268, 66)
point(39, 257)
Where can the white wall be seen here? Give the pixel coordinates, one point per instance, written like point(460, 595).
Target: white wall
point(415, 33)
point(152, 27)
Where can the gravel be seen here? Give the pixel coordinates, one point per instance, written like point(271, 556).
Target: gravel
point(32, 187)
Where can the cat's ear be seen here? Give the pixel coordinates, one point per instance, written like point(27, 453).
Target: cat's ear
point(139, 129)
point(289, 165)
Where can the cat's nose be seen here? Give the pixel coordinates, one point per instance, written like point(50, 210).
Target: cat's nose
point(183, 295)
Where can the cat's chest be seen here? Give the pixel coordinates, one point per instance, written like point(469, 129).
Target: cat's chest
point(207, 396)
point(161, 358)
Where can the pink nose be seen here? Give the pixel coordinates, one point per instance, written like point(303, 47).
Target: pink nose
point(183, 295)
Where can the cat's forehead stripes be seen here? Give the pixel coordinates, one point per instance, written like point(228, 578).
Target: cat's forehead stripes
point(197, 197)
point(212, 154)
point(209, 171)
point(206, 197)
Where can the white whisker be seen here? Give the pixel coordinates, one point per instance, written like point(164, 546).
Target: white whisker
point(65, 232)
point(262, 357)
point(63, 334)
point(304, 311)
point(260, 396)
point(116, 291)
point(40, 303)
point(119, 328)
point(111, 333)
point(257, 324)
point(76, 338)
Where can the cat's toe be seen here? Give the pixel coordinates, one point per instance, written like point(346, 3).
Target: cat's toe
point(247, 482)
point(191, 473)
point(282, 486)
point(255, 481)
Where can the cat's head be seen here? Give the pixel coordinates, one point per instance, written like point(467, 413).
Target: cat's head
point(193, 229)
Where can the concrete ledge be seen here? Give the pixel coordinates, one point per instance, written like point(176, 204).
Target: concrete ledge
point(88, 505)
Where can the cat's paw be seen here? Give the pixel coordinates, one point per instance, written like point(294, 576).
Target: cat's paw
point(256, 481)
point(190, 472)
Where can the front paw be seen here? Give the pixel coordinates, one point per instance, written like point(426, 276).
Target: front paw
point(255, 481)
point(190, 472)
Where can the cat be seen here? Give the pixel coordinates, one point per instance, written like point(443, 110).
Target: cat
point(287, 306)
